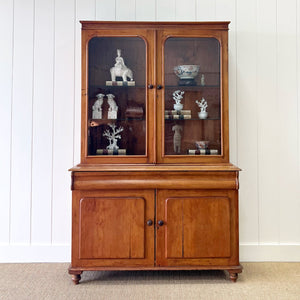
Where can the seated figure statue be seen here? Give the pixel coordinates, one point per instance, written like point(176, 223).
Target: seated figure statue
point(120, 69)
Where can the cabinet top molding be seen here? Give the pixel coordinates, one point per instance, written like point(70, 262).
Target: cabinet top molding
point(153, 25)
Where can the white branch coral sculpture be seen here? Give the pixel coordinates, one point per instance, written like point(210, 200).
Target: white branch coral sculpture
point(177, 96)
point(113, 136)
point(203, 106)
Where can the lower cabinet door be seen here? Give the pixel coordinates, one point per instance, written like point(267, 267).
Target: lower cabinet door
point(197, 228)
point(113, 228)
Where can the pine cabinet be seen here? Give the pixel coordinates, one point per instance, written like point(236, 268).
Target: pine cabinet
point(155, 188)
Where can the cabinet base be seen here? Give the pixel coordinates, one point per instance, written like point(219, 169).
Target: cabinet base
point(232, 270)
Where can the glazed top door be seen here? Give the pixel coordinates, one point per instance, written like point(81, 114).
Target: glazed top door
point(117, 67)
point(193, 96)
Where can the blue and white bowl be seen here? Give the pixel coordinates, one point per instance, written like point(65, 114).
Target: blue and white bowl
point(186, 71)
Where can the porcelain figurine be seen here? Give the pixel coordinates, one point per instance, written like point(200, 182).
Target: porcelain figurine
point(113, 136)
point(113, 108)
point(203, 106)
point(120, 69)
point(177, 138)
point(177, 96)
point(97, 107)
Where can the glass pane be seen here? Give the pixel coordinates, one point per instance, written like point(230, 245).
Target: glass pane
point(192, 96)
point(117, 96)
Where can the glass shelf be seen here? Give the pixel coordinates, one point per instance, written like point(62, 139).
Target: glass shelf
point(95, 123)
point(192, 87)
point(193, 119)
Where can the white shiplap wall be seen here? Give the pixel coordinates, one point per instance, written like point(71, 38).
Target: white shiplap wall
point(40, 117)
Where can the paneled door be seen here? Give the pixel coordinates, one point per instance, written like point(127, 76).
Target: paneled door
point(192, 101)
point(114, 228)
point(117, 96)
point(194, 227)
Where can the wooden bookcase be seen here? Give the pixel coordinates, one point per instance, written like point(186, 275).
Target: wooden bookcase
point(154, 201)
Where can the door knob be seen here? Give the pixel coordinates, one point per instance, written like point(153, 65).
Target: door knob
point(159, 87)
point(149, 222)
point(160, 222)
point(150, 86)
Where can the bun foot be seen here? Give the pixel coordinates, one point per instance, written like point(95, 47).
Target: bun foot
point(233, 276)
point(76, 278)
point(75, 275)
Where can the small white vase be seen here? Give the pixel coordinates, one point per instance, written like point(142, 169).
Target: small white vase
point(178, 106)
point(202, 115)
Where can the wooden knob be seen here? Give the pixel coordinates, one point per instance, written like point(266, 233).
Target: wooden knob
point(149, 222)
point(160, 222)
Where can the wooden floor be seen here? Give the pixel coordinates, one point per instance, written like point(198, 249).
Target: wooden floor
point(51, 281)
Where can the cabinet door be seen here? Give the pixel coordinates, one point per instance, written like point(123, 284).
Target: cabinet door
point(192, 103)
point(117, 105)
point(198, 227)
point(111, 228)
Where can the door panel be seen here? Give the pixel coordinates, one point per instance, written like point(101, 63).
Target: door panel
point(112, 228)
point(117, 105)
point(192, 114)
point(197, 227)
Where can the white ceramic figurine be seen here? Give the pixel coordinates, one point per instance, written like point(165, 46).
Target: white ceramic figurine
point(113, 108)
point(120, 69)
point(97, 107)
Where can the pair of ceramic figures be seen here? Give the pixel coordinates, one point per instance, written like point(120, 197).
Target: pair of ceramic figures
point(97, 107)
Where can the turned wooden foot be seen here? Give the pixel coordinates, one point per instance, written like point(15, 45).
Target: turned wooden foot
point(75, 275)
point(233, 276)
point(76, 278)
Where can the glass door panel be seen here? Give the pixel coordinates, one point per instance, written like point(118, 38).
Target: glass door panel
point(116, 96)
point(192, 106)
